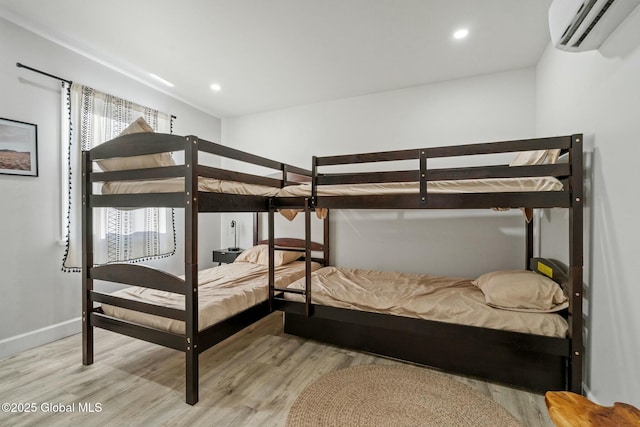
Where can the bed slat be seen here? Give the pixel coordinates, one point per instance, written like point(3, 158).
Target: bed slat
point(546, 199)
point(218, 202)
point(149, 200)
point(139, 174)
point(562, 142)
point(232, 153)
point(478, 172)
point(137, 144)
point(381, 156)
point(215, 333)
point(163, 338)
point(288, 202)
point(288, 243)
point(157, 310)
point(247, 178)
point(290, 290)
point(139, 275)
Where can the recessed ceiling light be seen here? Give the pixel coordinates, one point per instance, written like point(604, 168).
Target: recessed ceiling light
point(215, 87)
point(460, 34)
point(161, 80)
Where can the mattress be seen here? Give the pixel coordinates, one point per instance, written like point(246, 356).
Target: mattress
point(223, 291)
point(489, 185)
point(176, 185)
point(443, 299)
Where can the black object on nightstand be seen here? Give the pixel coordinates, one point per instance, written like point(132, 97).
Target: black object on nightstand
point(225, 256)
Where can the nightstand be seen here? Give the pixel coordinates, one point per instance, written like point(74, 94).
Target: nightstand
point(225, 256)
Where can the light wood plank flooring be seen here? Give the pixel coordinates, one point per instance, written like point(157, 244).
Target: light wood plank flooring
point(251, 379)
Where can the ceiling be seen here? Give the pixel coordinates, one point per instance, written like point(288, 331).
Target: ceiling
point(275, 54)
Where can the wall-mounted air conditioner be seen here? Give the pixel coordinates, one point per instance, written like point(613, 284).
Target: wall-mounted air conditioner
point(579, 25)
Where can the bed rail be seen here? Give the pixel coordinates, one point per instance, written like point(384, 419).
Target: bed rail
point(137, 144)
point(163, 338)
point(422, 174)
point(138, 275)
point(142, 144)
point(156, 310)
point(562, 142)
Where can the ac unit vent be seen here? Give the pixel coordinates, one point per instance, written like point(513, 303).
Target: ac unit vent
point(579, 25)
point(577, 21)
point(593, 23)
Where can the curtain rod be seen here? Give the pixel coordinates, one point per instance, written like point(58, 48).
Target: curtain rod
point(19, 65)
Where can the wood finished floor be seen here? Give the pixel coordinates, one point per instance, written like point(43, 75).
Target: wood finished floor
point(251, 379)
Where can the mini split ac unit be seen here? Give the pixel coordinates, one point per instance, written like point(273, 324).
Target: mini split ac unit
point(580, 25)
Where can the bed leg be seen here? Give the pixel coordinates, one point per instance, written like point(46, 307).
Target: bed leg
point(192, 376)
point(87, 340)
point(576, 265)
point(191, 335)
point(87, 329)
point(87, 261)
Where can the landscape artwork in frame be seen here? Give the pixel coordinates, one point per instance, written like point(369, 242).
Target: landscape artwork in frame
point(18, 148)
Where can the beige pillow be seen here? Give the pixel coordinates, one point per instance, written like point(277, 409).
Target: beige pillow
point(136, 162)
point(521, 290)
point(552, 156)
point(260, 255)
point(536, 157)
point(528, 158)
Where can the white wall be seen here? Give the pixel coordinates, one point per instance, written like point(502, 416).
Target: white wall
point(486, 108)
point(597, 93)
point(38, 302)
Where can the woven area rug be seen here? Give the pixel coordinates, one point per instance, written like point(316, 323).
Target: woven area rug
point(380, 395)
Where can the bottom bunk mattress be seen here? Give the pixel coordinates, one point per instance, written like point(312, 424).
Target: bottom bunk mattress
point(223, 291)
point(444, 299)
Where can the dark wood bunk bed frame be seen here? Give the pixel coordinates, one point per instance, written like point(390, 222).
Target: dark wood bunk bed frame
point(534, 362)
point(193, 341)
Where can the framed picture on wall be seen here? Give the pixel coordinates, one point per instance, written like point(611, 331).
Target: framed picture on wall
point(18, 148)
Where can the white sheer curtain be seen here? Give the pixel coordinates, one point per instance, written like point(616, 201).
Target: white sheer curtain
point(119, 235)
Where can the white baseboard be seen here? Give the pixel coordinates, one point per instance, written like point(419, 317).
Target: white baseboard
point(14, 345)
point(588, 394)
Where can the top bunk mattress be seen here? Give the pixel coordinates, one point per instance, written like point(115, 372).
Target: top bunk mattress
point(488, 185)
point(223, 291)
point(176, 185)
point(438, 298)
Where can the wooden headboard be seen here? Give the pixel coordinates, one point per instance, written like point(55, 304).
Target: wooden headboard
point(553, 269)
point(292, 244)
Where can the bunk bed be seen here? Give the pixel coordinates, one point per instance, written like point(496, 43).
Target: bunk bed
point(530, 359)
point(136, 176)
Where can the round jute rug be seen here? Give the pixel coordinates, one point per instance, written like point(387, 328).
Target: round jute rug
point(381, 395)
